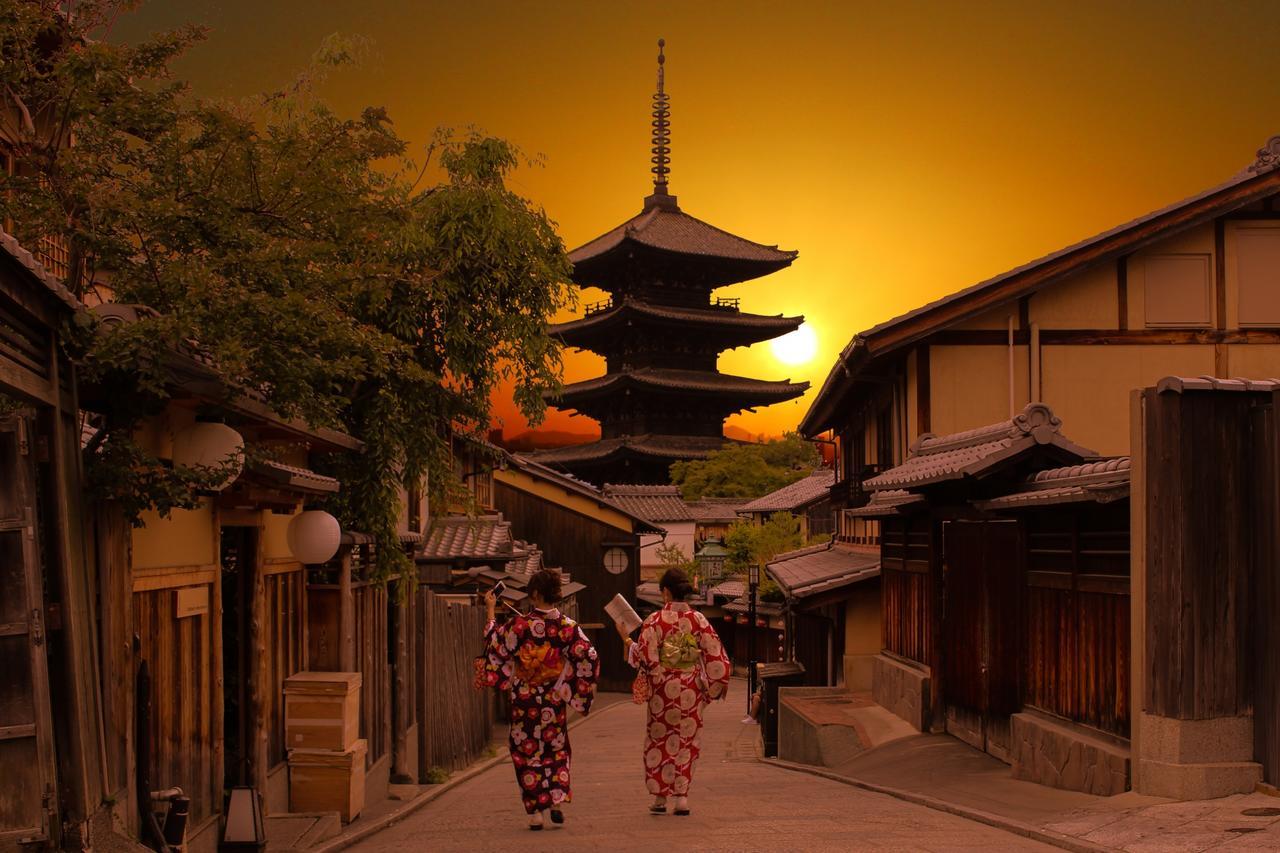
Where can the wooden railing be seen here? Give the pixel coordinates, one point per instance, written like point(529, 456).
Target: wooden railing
point(597, 307)
point(732, 303)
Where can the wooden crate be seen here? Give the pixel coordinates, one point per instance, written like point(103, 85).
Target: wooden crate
point(322, 710)
point(323, 780)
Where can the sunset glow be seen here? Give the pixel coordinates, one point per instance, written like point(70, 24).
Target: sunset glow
point(905, 150)
point(796, 348)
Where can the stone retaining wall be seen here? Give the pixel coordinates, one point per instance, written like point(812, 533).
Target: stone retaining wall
point(1060, 755)
point(903, 689)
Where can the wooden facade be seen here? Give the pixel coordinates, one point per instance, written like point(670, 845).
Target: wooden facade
point(52, 748)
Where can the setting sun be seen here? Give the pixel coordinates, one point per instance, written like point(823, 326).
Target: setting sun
point(798, 347)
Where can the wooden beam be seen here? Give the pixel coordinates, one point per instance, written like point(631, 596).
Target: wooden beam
point(1122, 292)
point(922, 389)
point(216, 663)
point(346, 614)
point(256, 720)
point(1220, 272)
point(1089, 337)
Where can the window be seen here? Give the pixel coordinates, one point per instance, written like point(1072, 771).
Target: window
point(1258, 276)
point(616, 561)
point(884, 438)
point(1177, 291)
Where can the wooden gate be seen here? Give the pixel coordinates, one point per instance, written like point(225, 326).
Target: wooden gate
point(982, 583)
point(27, 793)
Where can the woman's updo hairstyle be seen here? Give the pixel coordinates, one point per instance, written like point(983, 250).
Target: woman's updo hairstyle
point(677, 583)
point(546, 583)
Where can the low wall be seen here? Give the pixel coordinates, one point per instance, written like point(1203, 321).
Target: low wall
point(858, 671)
point(903, 689)
point(1056, 753)
point(1197, 759)
point(818, 741)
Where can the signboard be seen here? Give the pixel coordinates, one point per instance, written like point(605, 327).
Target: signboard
point(192, 601)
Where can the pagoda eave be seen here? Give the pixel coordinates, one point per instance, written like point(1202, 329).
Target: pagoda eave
point(725, 325)
point(663, 382)
point(612, 270)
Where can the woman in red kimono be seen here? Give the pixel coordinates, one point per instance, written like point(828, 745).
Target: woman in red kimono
point(683, 666)
point(548, 665)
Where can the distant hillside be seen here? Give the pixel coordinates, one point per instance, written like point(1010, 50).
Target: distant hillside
point(536, 439)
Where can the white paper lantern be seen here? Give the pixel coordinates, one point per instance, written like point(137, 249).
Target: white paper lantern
point(314, 537)
point(209, 445)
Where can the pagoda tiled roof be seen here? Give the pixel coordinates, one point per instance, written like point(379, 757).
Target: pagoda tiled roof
point(667, 229)
point(673, 379)
point(752, 326)
point(660, 446)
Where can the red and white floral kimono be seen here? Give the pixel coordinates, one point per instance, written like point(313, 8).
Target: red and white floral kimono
point(686, 667)
point(546, 663)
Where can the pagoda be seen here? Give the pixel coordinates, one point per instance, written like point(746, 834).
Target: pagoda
point(661, 331)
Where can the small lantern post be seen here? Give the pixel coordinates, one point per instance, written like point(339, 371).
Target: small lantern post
point(753, 578)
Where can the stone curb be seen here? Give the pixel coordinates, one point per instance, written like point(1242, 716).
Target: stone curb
point(1016, 827)
point(341, 842)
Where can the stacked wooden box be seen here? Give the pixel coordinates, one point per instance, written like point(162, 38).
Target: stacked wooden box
point(326, 753)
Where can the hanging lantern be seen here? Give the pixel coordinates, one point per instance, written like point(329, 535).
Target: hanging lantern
point(206, 444)
point(314, 537)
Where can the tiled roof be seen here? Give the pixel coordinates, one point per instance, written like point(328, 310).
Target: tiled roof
point(883, 503)
point(822, 568)
point(692, 318)
point(653, 503)
point(302, 479)
point(935, 459)
point(1100, 481)
point(1179, 384)
point(1251, 184)
point(28, 261)
point(763, 608)
point(715, 509)
point(674, 379)
point(801, 493)
point(729, 589)
point(484, 537)
point(662, 446)
point(537, 467)
point(669, 229)
point(649, 591)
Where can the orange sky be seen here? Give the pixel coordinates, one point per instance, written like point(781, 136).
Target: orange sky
point(905, 149)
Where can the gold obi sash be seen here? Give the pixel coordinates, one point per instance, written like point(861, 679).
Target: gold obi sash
point(680, 651)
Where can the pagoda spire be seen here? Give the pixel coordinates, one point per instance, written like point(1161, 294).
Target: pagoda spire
point(661, 149)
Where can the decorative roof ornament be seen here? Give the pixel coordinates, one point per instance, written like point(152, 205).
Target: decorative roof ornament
point(661, 149)
point(1268, 156)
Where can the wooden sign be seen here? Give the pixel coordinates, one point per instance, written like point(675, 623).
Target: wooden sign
point(192, 601)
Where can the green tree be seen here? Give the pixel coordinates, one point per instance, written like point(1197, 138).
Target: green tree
point(308, 255)
point(747, 470)
point(756, 544)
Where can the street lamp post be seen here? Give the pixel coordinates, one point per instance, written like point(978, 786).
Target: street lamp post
point(753, 577)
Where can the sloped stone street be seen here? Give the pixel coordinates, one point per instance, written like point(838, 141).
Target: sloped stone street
point(738, 803)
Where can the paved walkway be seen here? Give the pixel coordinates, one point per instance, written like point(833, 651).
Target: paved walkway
point(737, 802)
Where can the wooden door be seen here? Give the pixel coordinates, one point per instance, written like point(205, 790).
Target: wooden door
point(982, 583)
point(1265, 484)
point(27, 763)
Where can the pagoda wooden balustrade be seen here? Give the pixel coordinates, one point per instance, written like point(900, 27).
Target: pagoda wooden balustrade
point(731, 302)
point(597, 307)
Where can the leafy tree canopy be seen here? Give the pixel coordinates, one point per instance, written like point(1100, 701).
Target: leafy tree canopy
point(306, 253)
point(747, 470)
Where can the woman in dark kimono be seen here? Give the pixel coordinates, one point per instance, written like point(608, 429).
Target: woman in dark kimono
point(548, 665)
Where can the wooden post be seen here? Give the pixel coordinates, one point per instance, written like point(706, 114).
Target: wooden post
point(346, 614)
point(116, 592)
point(218, 699)
point(403, 688)
point(257, 677)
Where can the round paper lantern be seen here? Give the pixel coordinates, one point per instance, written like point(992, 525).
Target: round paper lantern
point(209, 445)
point(314, 537)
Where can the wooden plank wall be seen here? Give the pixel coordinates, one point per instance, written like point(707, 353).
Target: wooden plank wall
point(179, 655)
point(455, 720)
point(1077, 653)
point(906, 622)
point(372, 643)
point(1199, 462)
point(284, 652)
point(1266, 593)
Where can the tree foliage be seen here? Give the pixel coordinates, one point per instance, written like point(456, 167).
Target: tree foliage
point(305, 253)
point(747, 470)
point(756, 544)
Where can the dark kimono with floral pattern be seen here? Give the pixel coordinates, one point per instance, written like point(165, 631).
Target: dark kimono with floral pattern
point(548, 665)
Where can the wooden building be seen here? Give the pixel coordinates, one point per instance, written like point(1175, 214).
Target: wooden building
point(662, 507)
point(808, 498)
point(1005, 598)
point(56, 775)
point(592, 538)
point(1188, 290)
point(831, 611)
point(660, 331)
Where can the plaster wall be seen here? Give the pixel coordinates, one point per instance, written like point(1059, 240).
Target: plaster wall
point(1088, 386)
point(969, 386)
point(186, 538)
point(861, 634)
point(1196, 241)
point(1084, 301)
